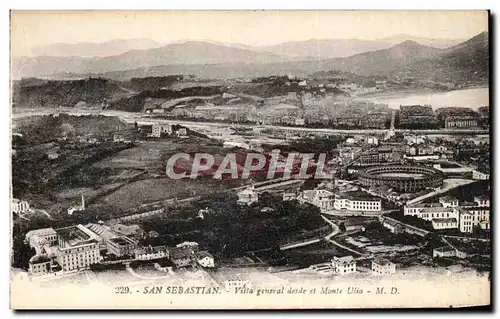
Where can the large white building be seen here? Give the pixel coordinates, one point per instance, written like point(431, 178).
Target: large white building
point(445, 223)
point(76, 249)
point(41, 237)
point(344, 265)
point(480, 175)
point(448, 214)
point(205, 259)
point(483, 200)
point(150, 253)
point(473, 216)
point(321, 198)
point(449, 201)
point(415, 209)
point(18, 206)
point(357, 201)
point(381, 266)
point(248, 196)
point(158, 129)
point(430, 211)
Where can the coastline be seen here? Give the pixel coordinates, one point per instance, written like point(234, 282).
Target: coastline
point(396, 94)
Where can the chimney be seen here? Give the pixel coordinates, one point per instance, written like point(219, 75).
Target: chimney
point(83, 203)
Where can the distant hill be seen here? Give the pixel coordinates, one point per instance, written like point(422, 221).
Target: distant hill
point(179, 53)
point(92, 49)
point(466, 62)
point(462, 63)
point(385, 61)
point(431, 42)
point(325, 49)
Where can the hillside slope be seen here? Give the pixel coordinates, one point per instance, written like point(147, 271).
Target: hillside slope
point(92, 91)
point(467, 62)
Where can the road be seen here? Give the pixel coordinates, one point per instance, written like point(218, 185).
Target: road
point(335, 231)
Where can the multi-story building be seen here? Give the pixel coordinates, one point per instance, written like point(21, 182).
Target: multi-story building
point(128, 230)
point(382, 266)
point(321, 198)
point(480, 175)
point(415, 209)
point(344, 265)
point(76, 249)
point(431, 213)
point(483, 200)
point(40, 237)
point(414, 139)
point(472, 216)
point(159, 129)
point(449, 201)
point(415, 116)
point(445, 223)
point(150, 253)
point(121, 246)
point(248, 196)
point(369, 158)
point(18, 206)
point(460, 122)
point(357, 201)
point(205, 259)
point(393, 226)
point(181, 256)
point(40, 265)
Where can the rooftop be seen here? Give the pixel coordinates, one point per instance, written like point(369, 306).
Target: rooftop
point(180, 252)
point(448, 199)
point(444, 249)
point(437, 209)
point(381, 261)
point(424, 205)
point(38, 259)
point(468, 209)
point(391, 222)
point(74, 236)
point(203, 254)
point(359, 195)
point(122, 241)
point(344, 260)
point(41, 232)
point(482, 197)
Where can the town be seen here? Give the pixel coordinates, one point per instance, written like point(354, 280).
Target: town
point(212, 168)
point(394, 199)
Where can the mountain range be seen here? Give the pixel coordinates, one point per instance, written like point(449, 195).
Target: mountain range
point(215, 60)
point(93, 49)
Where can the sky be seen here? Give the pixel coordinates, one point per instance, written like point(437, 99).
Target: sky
point(35, 28)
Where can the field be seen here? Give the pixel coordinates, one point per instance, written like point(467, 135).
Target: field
point(150, 190)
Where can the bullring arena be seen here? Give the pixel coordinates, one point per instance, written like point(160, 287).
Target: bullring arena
point(401, 178)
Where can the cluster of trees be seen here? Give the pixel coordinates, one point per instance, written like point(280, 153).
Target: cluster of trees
point(65, 93)
point(152, 82)
point(231, 230)
point(376, 230)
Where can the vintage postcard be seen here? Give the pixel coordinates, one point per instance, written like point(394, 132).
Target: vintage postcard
point(250, 159)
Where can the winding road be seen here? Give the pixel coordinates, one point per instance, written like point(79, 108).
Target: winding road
point(335, 231)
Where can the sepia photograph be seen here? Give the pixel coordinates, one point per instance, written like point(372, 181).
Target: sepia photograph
point(250, 160)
